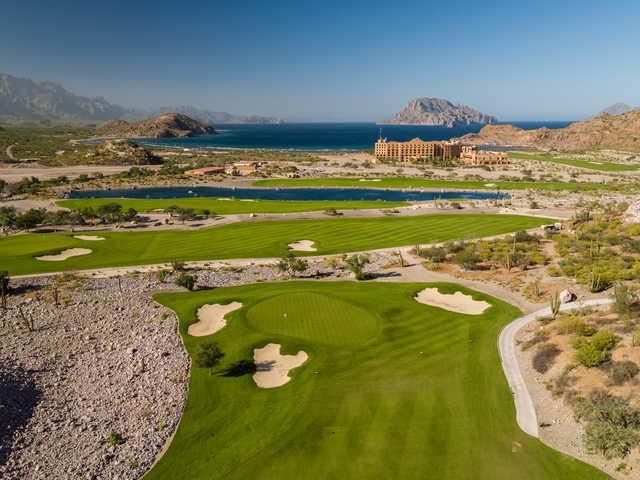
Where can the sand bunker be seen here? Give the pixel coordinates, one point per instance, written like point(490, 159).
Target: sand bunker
point(88, 238)
point(370, 179)
point(211, 318)
point(456, 302)
point(272, 368)
point(303, 246)
point(63, 255)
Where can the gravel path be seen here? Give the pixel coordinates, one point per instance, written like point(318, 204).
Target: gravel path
point(525, 409)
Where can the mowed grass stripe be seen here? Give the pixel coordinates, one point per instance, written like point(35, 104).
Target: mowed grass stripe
point(377, 409)
point(251, 240)
point(229, 206)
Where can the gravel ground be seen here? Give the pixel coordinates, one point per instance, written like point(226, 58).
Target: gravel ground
point(100, 362)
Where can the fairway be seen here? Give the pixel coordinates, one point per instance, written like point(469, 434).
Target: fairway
point(573, 162)
point(229, 206)
point(410, 392)
point(407, 182)
point(263, 239)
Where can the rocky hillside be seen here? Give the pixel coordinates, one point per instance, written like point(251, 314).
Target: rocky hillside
point(163, 126)
point(613, 132)
point(124, 152)
point(213, 118)
point(437, 111)
point(25, 99)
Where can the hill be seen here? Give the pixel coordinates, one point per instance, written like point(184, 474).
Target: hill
point(614, 132)
point(213, 118)
point(438, 111)
point(24, 99)
point(163, 126)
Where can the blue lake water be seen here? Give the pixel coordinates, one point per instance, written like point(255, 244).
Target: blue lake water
point(288, 194)
point(321, 136)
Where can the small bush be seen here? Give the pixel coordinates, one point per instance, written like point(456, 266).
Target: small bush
point(185, 280)
point(571, 324)
point(467, 259)
point(434, 254)
point(539, 337)
point(115, 439)
point(612, 424)
point(620, 372)
point(594, 352)
point(208, 355)
point(544, 357)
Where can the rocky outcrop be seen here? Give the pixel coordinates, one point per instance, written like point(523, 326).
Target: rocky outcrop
point(214, 118)
point(25, 99)
point(163, 126)
point(604, 132)
point(437, 111)
point(125, 152)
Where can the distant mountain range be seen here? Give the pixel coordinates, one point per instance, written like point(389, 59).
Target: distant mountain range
point(618, 109)
point(24, 99)
point(440, 112)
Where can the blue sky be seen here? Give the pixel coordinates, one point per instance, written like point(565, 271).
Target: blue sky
point(333, 60)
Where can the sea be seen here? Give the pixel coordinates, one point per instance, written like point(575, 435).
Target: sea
point(322, 136)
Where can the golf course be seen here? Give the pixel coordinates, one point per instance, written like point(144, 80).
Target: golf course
point(391, 389)
point(228, 206)
point(259, 239)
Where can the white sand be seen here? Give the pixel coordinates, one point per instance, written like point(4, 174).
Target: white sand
point(88, 238)
point(63, 255)
point(455, 302)
point(370, 180)
point(303, 246)
point(211, 318)
point(272, 367)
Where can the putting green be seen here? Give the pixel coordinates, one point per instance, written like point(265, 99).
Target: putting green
point(421, 395)
point(250, 240)
point(312, 316)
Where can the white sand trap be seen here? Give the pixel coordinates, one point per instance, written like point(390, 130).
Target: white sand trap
point(455, 302)
point(89, 238)
point(63, 255)
point(272, 369)
point(370, 180)
point(489, 184)
point(211, 318)
point(303, 246)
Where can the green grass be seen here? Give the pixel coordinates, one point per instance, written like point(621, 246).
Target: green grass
point(421, 397)
point(227, 207)
point(604, 166)
point(408, 182)
point(251, 240)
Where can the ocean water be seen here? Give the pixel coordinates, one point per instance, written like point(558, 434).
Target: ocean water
point(287, 193)
point(322, 136)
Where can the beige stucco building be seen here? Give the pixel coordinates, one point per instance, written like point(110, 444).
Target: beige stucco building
point(473, 157)
point(416, 149)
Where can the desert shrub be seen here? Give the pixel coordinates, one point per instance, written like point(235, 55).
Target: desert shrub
point(185, 280)
point(571, 324)
point(597, 350)
point(454, 247)
point(524, 236)
point(208, 355)
point(356, 264)
point(162, 275)
point(620, 372)
point(434, 254)
point(539, 337)
point(544, 357)
point(467, 259)
point(623, 299)
point(612, 424)
point(636, 338)
point(115, 439)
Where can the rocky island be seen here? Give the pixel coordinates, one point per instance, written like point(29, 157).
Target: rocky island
point(439, 112)
point(168, 125)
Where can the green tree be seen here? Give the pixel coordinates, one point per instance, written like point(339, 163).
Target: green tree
point(185, 280)
point(208, 355)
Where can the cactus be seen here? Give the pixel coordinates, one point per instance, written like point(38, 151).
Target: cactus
point(555, 305)
point(595, 283)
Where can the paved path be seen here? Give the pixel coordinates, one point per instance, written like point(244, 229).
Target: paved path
point(525, 409)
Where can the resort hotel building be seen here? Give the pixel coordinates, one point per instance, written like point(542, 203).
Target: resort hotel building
point(418, 149)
